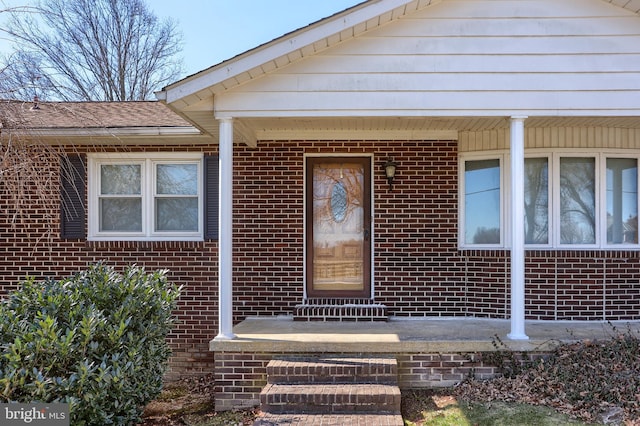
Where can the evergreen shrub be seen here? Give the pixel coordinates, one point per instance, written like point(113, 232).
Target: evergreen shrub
point(96, 341)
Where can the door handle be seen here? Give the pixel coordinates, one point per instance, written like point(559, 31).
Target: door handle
point(366, 234)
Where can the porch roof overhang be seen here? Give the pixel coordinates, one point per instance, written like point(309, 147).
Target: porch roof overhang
point(250, 130)
point(194, 98)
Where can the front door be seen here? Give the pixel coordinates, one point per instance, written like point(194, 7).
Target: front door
point(338, 227)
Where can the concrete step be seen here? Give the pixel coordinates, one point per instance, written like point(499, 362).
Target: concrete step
point(362, 419)
point(330, 398)
point(335, 309)
point(333, 369)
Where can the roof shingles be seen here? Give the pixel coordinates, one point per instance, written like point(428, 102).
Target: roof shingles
point(88, 115)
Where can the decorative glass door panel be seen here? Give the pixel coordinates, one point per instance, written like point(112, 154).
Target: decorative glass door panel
point(338, 227)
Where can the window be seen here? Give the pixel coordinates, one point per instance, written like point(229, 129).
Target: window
point(622, 201)
point(146, 197)
point(482, 194)
point(570, 200)
point(577, 200)
point(536, 200)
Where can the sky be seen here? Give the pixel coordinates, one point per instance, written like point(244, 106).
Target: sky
point(216, 30)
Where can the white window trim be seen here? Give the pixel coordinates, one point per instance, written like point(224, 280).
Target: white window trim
point(484, 155)
point(148, 162)
point(602, 208)
point(553, 158)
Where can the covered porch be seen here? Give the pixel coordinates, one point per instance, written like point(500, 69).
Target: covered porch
point(430, 352)
point(427, 335)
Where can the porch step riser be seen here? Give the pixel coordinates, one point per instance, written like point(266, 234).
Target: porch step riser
point(333, 301)
point(352, 398)
point(333, 370)
point(340, 313)
point(336, 309)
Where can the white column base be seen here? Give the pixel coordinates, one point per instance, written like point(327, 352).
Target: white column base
point(516, 336)
point(225, 337)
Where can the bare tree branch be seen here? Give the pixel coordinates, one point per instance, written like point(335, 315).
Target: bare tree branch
point(100, 50)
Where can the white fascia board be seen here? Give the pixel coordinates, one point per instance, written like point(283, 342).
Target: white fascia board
point(277, 48)
point(433, 113)
point(105, 132)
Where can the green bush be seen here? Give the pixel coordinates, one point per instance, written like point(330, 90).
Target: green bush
point(96, 341)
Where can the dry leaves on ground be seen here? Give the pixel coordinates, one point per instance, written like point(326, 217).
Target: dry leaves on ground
point(592, 381)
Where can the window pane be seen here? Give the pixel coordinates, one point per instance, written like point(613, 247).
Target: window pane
point(121, 214)
point(536, 200)
point(177, 179)
point(120, 179)
point(577, 201)
point(482, 202)
point(622, 201)
point(177, 214)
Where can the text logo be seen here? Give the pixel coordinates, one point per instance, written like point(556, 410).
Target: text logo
point(53, 414)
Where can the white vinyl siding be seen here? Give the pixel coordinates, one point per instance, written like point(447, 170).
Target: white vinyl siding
point(461, 57)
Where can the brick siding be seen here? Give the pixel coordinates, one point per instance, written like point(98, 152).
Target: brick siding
point(418, 268)
point(31, 246)
point(240, 376)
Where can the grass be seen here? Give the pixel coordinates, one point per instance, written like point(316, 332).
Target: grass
point(420, 408)
point(441, 408)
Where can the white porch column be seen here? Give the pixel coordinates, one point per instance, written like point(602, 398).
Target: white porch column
point(517, 229)
point(225, 234)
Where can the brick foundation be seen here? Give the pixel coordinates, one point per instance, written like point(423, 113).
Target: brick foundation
point(240, 376)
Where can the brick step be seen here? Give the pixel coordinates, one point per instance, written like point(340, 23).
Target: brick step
point(333, 369)
point(330, 398)
point(330, 309)
point(362, 419)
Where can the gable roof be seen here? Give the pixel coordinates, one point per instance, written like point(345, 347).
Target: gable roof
point(286, 49)
point(298, 44)
point(270, 91)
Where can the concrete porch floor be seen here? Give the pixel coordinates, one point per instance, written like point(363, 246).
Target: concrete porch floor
point(425, 335)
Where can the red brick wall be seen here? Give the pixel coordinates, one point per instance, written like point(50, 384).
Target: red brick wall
point(30, 246)
point(419, 270)
point(240, 376)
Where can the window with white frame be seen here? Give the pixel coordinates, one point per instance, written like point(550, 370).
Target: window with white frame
point(482, 201)
point(156, 196)
point(571, 200)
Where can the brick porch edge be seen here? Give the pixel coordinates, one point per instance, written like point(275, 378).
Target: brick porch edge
point(240, 376)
